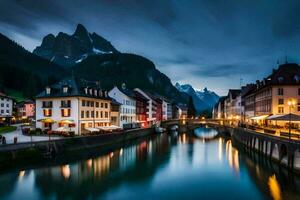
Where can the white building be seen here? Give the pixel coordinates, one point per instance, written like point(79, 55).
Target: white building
point(6, 107)
point(73, 105)
point(126, 98)
point(166, 109)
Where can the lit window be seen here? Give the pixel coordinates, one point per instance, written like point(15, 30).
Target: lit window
point(65, 112)
point(281, 110)
point(47, 112)
point(280, 101)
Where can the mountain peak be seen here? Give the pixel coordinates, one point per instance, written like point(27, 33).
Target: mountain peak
point(68, 50)
point(80, 30)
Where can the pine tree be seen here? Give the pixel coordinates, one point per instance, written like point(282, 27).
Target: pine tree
point(191, 112)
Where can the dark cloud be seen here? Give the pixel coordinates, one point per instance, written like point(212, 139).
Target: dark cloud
point(202, 42)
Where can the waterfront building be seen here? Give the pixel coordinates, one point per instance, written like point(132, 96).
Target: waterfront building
point(151, 106)
point(166, 109)
point(232, 104)
point(75, 105)
point(115, 112)
point(159, 109)
point(219, 109)
point(6, 107)
point(127, 100)
point(141, 109)
point(277, 94)
point(182, 111)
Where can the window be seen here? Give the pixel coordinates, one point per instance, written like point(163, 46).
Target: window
point(82, 114)
point(280, 91)
point(106, 105)
point(65, 112)
point(48, 90)
point(97, 104)
point(97, 114)
point(2, 105)
point(2, 111)
point(281, 110)
point(47, 112)
point(280, 101)
point(88, 103)
point(87, 114)
point(92, 104)
point(65, 103)
point(106, 114)
point(47, 104)
point(65, 89)
point(7, 105)
point(101, 105)
point(92, 114)
point(101, 114)
point(83, 103)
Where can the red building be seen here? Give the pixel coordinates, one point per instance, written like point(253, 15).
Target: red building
point(159, 103)
point(141, 109)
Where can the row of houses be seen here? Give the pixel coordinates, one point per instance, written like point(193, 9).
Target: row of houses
point(257, 103)
point(81, 106)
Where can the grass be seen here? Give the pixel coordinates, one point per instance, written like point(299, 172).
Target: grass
point(7, 129)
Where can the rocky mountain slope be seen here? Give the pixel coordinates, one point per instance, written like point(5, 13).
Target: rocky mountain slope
point(203, 100)
point(68, 50)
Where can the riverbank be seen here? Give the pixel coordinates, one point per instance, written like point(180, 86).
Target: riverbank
point(30, 153)
point(283, 151)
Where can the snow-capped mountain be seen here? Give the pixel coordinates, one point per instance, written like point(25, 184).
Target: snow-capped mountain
point(68, 50)
point(203, 100)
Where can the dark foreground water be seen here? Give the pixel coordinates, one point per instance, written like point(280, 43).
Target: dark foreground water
point(167, 166)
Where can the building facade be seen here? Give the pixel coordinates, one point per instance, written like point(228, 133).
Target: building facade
point(72, 105)
point(6, 107)
point(127, 100)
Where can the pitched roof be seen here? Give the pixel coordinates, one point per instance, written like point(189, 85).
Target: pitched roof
point(234, 92)
point(127, 92)
point(286, 74)
point(4, 95)
point(113, 101)
point(76, 87)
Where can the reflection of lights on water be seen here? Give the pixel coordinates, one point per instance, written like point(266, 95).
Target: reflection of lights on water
point(274, 188)
point(220, 150)
point(233, 156)
point(65, 171)
point(21, 174)
point(101, 165)
point(89, 163)
point(121, 151)
point(184, 138)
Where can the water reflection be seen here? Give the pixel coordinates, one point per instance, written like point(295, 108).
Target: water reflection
point(274, 188)
point(233, 156)
point(163, 167)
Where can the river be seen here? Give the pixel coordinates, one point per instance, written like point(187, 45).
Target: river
point(197, 165)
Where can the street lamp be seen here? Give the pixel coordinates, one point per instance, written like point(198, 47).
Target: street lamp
point(291, 105)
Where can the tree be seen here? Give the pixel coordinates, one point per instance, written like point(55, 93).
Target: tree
point(191, 112)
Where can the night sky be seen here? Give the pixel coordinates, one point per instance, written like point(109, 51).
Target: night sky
point(211, 43)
